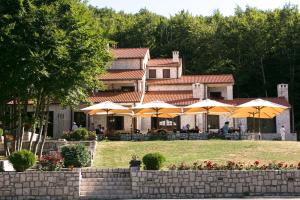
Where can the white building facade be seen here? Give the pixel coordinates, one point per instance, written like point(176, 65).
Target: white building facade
point(135, 78)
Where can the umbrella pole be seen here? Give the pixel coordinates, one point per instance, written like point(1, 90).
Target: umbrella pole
point(107, 121)
point(259, 133)
point(157, 123)
point(207, 111)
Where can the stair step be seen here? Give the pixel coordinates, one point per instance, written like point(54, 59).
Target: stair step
point(107, 175)
point(106, 197)
point(106, 192)
point(103, 183)
point(106, 179)
point(101, 187)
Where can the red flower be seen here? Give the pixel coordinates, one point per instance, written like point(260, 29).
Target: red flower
point(256, 162)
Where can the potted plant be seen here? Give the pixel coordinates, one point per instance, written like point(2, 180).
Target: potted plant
point(135, 163)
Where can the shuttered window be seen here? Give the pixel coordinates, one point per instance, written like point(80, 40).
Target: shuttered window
point(152, 73)
point(166, 73)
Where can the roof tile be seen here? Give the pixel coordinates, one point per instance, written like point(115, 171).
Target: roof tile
point(116, 97)
point(190, 79)
point(162, 62)
point(129, 52)
point(123, 75)
point(185, 97)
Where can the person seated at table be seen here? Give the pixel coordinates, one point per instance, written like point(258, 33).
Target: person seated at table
point(184, 129)
point(196, 130)
point(225, 129)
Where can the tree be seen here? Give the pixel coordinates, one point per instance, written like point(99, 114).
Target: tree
point(52, 51)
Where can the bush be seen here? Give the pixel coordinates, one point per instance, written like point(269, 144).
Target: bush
point(153, 161)
point(79, 134)
point(92, 135)
point(76, 155)
point(22, 160)
point(52, 161)
point(1, 132)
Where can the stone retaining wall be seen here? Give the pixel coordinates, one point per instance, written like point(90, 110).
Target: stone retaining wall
point(209, 184)
point(39, 185)
point(148, 184)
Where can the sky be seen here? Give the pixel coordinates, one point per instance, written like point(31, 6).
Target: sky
point(196, 7)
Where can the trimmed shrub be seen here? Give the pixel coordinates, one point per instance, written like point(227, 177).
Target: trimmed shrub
point(53, 161)
point(153, 161)
point(92, 135)
point(22, 160)
point(76, 155)
point(79, 134)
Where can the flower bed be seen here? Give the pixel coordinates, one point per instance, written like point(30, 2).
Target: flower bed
point(231, 165)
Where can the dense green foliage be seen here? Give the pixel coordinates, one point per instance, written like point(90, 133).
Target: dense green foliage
point(22, 160)
point(51, 51)
point(260, 48)
point(153, 161)
point(80, 134)
point(76, 156)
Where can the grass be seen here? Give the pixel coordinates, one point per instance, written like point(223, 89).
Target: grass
point(118, 154)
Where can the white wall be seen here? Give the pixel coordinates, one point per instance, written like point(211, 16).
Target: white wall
point(134, 63)
point(283, 119)
point(159, 72)
point(126, 64)
point(223, 91)
point(61, 118)
point(169, 87)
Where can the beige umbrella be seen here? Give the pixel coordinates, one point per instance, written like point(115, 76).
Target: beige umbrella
point(260, 109)
point(157, 107)
point(107, 107)
point(208, 106)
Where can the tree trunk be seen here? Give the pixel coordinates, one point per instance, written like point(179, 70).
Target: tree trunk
point(45, 131)
point(263, 76)
point(35, 117)
point(40, 132)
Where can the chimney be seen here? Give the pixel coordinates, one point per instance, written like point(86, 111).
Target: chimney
point(283, 91)
point(198, 91)
point(175, 56)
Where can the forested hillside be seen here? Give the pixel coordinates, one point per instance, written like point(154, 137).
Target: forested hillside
point(260, 48)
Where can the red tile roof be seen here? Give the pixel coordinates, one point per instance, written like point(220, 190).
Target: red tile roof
point(123, 75)
point(129, 52)
point(190, 79)
point(238, 101)
point(162, 62)
point(184, 97)
point(116, 97)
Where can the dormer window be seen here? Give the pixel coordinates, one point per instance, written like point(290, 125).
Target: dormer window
point(152, 73)
point(166, 73)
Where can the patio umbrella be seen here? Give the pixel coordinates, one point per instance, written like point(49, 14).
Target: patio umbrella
point(160, 115)
point(260, 109)
point(156, 107)
point(107, 107)
point(208, 106)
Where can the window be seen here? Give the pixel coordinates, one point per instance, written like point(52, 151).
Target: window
point(166, 73)
point(266, 125)
point(166, 123)
point(213, 121)
point(80, 119)
point(215, 95)
point(152, 73)
point(127, 88)
point(116, 122)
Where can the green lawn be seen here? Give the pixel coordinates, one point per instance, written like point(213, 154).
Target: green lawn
point(118, 154)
